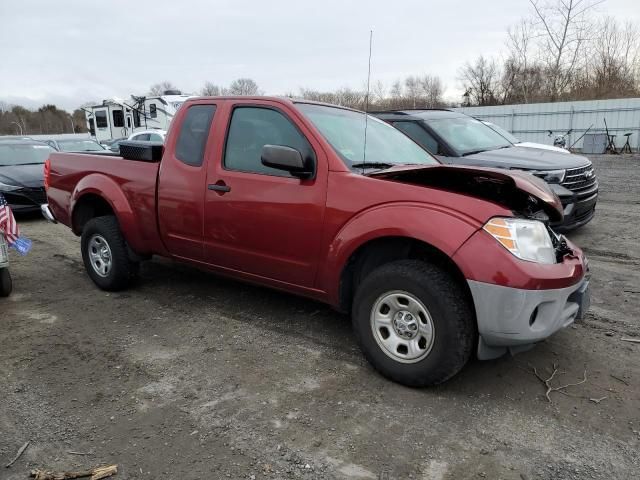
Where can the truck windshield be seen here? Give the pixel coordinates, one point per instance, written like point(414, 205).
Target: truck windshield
point(23, 154)
point(344, 130)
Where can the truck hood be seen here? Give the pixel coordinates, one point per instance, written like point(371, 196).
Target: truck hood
point(520, 157)
point(519, 191)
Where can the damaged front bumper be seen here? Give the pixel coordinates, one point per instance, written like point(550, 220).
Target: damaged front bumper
point(514, 319)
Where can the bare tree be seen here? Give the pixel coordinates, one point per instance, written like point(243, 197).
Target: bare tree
point(160, 88)
point(348, 97)
point(412, 89)
point(244, 86)
point(378, 94)
point(481, 80)
point(431, 91)
point(396, 91)
point(563, 29)
point(210, 90)
point(520, 69)
point(615, 56)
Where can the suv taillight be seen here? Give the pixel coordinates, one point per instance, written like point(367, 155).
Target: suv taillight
point(47, 171)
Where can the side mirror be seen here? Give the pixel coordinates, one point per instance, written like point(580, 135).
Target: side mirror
point(288, 159)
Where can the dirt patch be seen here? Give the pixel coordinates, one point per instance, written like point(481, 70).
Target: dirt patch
point(191, 376)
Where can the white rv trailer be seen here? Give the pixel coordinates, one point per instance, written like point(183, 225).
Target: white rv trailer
point(116, 118)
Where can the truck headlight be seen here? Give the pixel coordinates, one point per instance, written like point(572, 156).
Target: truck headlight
point(550, 176)
point(526, 239)
point(8, 188)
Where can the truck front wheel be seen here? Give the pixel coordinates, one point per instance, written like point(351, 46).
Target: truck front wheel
point(414, 323)
point(105, 255)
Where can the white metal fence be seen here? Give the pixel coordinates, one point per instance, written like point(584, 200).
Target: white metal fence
point(531, 122)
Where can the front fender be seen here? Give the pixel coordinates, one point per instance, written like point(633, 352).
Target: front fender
point(107, 189)
point(435, 225)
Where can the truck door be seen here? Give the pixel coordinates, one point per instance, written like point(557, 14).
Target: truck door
point(259, 220)
point(182, 183)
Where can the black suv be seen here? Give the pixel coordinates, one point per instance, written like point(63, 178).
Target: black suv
point(458, 139)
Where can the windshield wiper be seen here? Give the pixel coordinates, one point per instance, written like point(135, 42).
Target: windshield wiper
point(372, 165)
point(473, 152)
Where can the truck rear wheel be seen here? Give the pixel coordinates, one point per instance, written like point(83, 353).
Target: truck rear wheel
point(6, 284)
point(414, 323)
point(105, 254)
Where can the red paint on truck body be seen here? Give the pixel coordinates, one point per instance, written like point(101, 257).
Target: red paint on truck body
point(287, 233)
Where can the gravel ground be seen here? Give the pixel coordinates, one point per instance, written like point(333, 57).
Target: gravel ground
point(191, 376)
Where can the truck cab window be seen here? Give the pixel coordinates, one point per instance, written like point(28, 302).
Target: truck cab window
point(253, 127)
point(153, 112)
point(194, 133)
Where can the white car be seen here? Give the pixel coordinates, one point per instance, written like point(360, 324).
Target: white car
point(516, 141)
point(149, 135)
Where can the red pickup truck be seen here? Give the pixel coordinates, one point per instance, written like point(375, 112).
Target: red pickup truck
point(433, 262)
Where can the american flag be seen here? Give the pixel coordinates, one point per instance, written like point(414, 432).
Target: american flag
point(8, 224)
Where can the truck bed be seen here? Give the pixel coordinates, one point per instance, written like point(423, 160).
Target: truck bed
point(130, 188)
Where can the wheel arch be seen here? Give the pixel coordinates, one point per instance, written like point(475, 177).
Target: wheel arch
point(98, 195)
point(382, 250)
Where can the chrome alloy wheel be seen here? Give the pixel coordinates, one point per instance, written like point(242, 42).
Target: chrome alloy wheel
point(100, 255)
point(402, 326)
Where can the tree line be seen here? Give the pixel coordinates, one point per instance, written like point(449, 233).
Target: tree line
point(48, 119)
point(562, 50)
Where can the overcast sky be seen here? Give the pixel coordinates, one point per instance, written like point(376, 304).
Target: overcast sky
point(69, 52)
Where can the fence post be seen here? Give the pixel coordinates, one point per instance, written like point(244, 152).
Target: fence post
point(570, 139)
point(513, 119)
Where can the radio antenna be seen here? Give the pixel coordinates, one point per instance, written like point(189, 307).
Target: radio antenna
point(366, 104)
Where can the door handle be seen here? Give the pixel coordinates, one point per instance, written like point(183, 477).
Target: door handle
point(219, 187)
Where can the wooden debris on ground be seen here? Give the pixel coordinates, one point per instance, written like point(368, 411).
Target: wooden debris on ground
point(632, 340)
point(18, 455)
point(561, 388)
point(597, 400)
point(619, 379)
point(95, 473)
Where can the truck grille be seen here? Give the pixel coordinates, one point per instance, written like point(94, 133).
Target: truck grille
point(581, 180)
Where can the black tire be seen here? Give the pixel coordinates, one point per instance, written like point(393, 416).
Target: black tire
point(122, 270)
point(6, 284)
point(452, 316)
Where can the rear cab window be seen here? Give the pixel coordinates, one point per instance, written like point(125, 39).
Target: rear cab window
point(193, 135)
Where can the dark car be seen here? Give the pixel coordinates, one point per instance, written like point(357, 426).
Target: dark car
point(76, 145)
point(458, 139)
point(22, 173)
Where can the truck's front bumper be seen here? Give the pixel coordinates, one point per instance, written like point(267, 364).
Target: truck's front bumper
point(514, 319)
